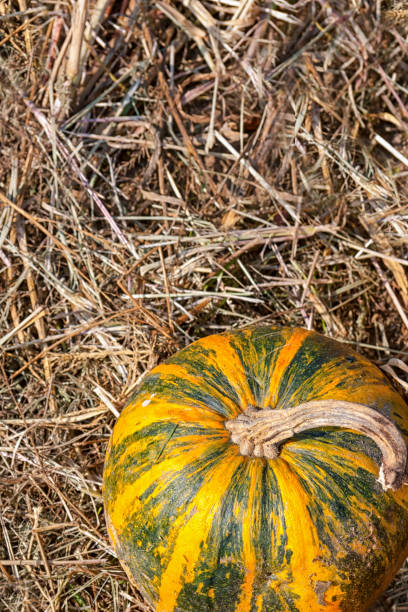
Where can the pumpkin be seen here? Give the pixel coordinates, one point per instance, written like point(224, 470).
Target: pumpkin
point(243, 476)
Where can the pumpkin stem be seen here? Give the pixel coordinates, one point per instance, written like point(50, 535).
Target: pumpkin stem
point(258, 432)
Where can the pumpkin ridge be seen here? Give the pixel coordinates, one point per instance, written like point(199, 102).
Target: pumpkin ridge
point(202, 364)
point(304, 542)
point(249, 556)
point(186, 391)
point(189, 535)
point(257, 356)
point(271, 536)
point(219, 568)
point(287, 355)
point(217, 359)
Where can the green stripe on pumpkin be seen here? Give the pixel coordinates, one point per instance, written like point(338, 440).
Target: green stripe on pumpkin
point(258, 351)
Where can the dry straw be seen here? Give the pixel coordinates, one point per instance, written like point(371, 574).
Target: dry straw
point(170, 170)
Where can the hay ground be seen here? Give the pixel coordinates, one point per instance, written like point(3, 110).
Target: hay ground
point(170, 170)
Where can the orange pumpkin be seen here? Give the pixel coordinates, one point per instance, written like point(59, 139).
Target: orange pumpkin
point(219, 496)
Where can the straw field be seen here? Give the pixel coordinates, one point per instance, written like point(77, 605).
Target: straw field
point(168, 170)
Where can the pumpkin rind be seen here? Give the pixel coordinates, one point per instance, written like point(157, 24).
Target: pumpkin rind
point(202, 528)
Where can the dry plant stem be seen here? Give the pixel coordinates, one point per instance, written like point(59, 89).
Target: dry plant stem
point(78, 25)
point(258, 432)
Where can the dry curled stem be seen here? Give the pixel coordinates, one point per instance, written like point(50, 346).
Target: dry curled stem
point(258, 432)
